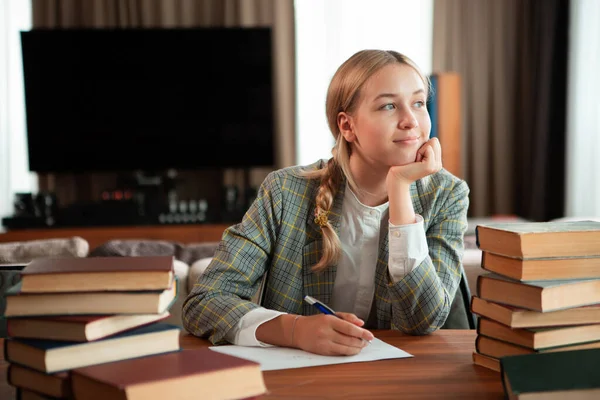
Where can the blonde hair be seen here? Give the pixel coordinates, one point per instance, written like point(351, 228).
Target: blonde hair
point(343, 95)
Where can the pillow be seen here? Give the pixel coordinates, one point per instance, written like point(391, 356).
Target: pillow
point(24, 252)
point(136, 247)
point(196, 271)
point(193, 252)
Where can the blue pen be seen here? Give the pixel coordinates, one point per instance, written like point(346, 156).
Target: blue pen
point(323, 308)
point(320, 306)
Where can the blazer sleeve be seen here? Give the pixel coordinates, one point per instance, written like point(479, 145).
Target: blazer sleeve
point(221, 296)
point(421, 300)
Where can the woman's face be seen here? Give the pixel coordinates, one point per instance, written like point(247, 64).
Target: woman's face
point(391, 120)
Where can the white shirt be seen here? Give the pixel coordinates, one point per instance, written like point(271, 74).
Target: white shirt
point(354, 284)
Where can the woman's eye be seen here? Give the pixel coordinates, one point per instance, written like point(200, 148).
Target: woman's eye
point(389, 106)
point(420, 104)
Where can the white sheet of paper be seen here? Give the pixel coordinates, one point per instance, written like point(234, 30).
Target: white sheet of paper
point(273, 358)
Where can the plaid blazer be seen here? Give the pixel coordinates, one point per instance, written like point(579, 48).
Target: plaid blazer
point(278, 237)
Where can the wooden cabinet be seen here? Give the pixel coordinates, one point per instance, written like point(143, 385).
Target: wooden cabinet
point(96, 236)
point(445, 112)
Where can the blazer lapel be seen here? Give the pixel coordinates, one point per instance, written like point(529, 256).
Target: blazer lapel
point(382, 280)
point(320, 285)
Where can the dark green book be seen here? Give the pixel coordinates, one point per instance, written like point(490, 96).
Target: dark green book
point(569, 374)
point(50, 356)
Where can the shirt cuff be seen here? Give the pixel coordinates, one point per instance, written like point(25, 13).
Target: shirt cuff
point(407, 248)
point(244, 332)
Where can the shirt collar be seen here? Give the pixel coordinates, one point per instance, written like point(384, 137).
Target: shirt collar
point(354, 204)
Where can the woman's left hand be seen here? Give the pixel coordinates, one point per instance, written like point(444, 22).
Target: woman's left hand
point(428, 161)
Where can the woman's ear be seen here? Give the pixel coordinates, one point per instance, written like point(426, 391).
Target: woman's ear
point(344, 122)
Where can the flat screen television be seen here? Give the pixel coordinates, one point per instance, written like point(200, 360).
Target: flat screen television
point(148, 99)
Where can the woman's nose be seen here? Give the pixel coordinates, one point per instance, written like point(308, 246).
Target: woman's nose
point(407, 121)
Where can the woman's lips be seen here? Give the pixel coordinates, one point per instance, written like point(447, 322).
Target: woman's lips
point(408, 140)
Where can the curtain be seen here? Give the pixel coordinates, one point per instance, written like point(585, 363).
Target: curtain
point(512, 57)
point(278, 14)
point(583, 111)
point(326, 31)
point(15, 15)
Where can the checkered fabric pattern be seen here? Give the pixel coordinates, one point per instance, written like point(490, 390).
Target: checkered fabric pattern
point(278, 237)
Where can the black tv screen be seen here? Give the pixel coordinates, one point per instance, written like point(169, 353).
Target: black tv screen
point(148, 99)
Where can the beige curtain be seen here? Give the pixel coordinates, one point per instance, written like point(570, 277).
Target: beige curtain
point(477, 39)
point(278, 14)
point(512, 55)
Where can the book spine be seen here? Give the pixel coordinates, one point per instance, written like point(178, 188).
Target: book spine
point(5, 351)
point(503, 378)
point(8, 329)
point(9, 374)
point(471, 307)
point(483, 265)
point(479, 281)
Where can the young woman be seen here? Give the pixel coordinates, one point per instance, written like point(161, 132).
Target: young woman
point(376, 232)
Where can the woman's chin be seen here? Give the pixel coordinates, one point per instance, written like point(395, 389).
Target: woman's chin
point(400, 161)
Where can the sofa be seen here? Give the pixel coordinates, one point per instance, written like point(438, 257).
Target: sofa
point(190, 262)
point(192, 259)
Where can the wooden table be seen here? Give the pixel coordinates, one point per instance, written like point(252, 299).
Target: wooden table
point(442, 368)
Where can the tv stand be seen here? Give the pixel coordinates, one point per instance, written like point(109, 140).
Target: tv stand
point(96, 236)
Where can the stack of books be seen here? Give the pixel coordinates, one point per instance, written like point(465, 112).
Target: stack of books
point(542, 290)
point(90, 329)
point(70, 313)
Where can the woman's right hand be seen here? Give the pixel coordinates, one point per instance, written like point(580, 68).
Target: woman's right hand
point(331, 336)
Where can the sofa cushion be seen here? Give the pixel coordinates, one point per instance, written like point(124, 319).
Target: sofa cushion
point(136, 248)
point(24, 252)
point(472, 265)
point(188, 253)
point(193, 252)
point(196, 271)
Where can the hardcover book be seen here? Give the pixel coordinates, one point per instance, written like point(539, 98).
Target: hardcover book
point(189, 374)
point(539, 269)
point(84, 328)
point(540, 338)
point(540, 239)
point(54, 356)
point(498, 348)
point(540, 296)
point(563, 375)
point(487, 362)
point(56, 385)
point(89, 274)
point(20, 304)
point(24, 394)
point(516, 317)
